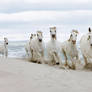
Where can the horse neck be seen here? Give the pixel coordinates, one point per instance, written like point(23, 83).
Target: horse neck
point(5, 45)
point(53, 40)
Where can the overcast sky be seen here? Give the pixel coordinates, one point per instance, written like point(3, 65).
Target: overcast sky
point(18, 18)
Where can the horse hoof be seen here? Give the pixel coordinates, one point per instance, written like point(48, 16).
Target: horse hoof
point(73, 67)
point(39, 63)
point(57, 63)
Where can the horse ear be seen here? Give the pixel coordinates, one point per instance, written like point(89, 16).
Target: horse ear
point(88, 37)
point(89, 29)
point(54, 27)
point(77, 31)
point(4, 38)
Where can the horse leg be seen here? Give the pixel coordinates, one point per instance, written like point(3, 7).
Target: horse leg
point(85, 60)
point(78, 60)
point(26, 51)
point(42, 57)
point(73, 64)
point(66, 63)
point(55, 58)
point(50, 59)
point(6, 54)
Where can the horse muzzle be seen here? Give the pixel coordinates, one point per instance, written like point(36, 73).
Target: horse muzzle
point(31, 37)
point(53, 36)
point(6, 43)
point(74, 41)
point(40, 40)
point(91, 45)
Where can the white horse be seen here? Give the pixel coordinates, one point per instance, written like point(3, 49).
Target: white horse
point(53, 49)
point(86, 46)
point(37, 48)
point(27, 46)
point(4, 48)
point(69, 49)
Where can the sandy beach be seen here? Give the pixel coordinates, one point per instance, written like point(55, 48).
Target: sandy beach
point(18, 75)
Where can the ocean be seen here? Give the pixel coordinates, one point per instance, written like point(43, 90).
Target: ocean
point(16, 49)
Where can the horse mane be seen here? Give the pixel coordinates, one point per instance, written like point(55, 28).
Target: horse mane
point(39, 31)
point(53, 27)
point(69, 38)
point(76, 31)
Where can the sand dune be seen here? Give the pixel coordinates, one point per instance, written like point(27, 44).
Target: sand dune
point(17, 75)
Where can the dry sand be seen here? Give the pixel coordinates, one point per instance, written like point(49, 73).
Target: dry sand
point(17, 75)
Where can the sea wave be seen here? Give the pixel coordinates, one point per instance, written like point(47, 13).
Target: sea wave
point(16, 49)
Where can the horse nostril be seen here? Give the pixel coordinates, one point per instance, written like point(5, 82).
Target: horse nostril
point(7, 43)
point(91, 44)
point(74, 41)
point(40, 40)
point(53, 35)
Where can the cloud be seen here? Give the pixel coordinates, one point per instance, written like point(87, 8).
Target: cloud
point(12, 6)
point(25, 16)
point(46, 17)
point(24, 23)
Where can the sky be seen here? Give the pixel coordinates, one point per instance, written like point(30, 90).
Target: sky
point(20, 18)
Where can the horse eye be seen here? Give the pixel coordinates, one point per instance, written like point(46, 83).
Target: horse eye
point(37, 34)
point(88, 37)
point(71, 35)
point(55, 31)
point(50, 30)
